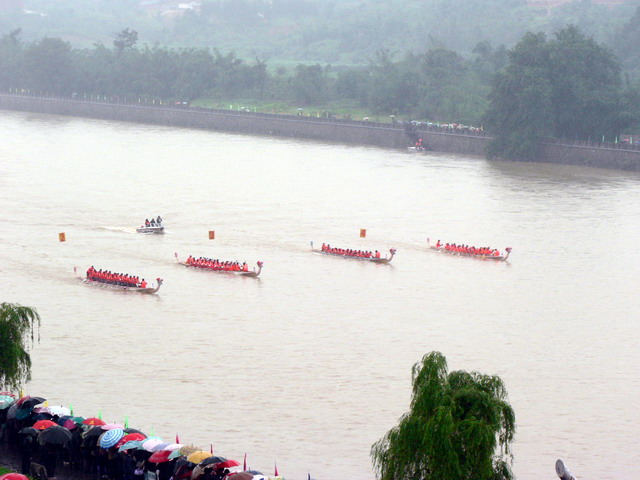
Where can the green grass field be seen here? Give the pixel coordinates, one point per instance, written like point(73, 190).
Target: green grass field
point(339, 110)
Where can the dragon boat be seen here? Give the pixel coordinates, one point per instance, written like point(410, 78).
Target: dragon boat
point(498, 258)
point(113, 286)
point(386, 259)
point(242, 273)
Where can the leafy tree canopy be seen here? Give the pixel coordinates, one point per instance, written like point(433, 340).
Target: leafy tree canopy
point(456, 421)
point(567, 87)
point(17, 329)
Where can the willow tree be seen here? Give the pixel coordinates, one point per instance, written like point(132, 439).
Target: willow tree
point(456, 423)
point(18, 325)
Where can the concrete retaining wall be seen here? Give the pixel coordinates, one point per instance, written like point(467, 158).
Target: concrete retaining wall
point(339, 131)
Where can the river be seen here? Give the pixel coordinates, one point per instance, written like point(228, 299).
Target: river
point(309, 364)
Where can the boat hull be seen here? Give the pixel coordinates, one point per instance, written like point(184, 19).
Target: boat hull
point(152, 230)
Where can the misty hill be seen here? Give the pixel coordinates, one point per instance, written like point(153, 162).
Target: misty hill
point(312, 31)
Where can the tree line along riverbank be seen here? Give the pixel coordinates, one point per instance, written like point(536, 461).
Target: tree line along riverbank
point(394, 135)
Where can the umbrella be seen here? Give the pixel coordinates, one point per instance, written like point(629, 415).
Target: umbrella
point(160, 446)
point(109, 438)
point(183, 469)
point(131, 445)
point(160, 456)
point(111, 426)
point(6, 400)
point(129, 437)
point(26, 404)
point(93, 432)
point(63, 419)
point(42, 424)
point(173, 446)
point(183, 451)
point(29, 431)
point(227, 464)
point(212, 459)
point(133, 430)
point(13, 476)
point(54, 410)
point(93, 421)
point(197, 471)
point(54, 436)
point(150, 443)
point(30, 402)
point(242, 476)
point(198, 456)
point(70, 424)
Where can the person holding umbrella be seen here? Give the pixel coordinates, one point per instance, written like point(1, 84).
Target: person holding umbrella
point(27, 446)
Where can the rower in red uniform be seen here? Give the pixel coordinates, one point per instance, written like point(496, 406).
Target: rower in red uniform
point(143, 284)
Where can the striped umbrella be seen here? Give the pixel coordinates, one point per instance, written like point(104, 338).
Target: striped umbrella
point(109, 438)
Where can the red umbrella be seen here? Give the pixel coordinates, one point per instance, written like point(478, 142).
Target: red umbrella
point(93, 421)
point(129, 437)
point(227, 464)
point(13, 476)
point(44, 424)
point(160, 456)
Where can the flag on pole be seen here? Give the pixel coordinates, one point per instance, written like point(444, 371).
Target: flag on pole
point(100, 414)
point(177, 438)
point(126, 421)
point(276, 470)
point(244, 465)
point(212, 449)
point(363, 233)
point(71, 409)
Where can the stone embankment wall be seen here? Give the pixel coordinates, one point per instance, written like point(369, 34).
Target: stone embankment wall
point(384, 135)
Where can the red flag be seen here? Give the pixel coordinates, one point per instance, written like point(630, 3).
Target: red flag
point(177, 438)
point(244, 466)
point(276, 472)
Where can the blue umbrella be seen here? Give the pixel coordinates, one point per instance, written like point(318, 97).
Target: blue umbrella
point(109, 438)
point(6, 400)
point(130, 445)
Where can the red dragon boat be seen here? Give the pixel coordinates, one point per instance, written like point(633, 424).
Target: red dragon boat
point(113, 286)
point(243, 273)
point(386, 259)
point(499, 258)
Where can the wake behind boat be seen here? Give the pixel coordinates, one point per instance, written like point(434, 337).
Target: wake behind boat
point(365, 255)
point(117, 281)
point(482, 253)
point(221, 266)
